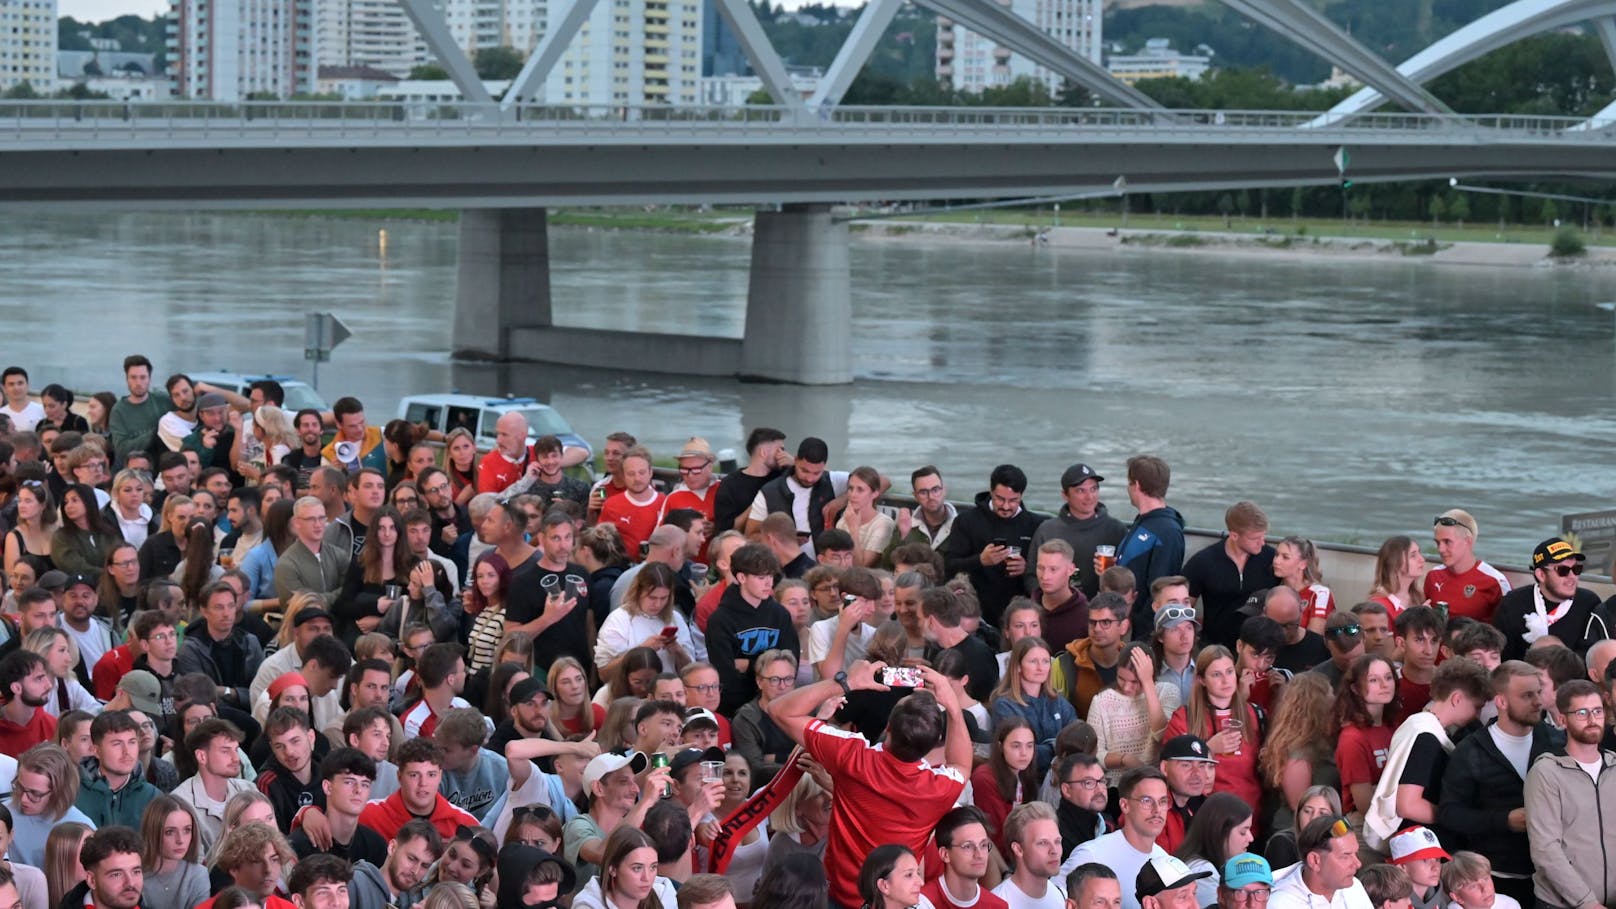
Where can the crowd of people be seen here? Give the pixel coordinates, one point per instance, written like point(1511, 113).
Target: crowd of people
point(243, 664)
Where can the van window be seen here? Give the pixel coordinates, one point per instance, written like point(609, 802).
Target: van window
point(490, 423)
point(423, 413)
point(463, 418)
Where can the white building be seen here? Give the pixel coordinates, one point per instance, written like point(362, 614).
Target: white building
point(971, 62)
point(632, 52)
point(118, 75)
point(733, 91)
point(227, 50)
point(368, 33)
point(1159, 61)
point(28, 44)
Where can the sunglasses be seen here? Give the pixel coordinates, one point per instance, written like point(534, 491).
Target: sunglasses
point(1340, 827)
point(1174, 613)
point(1445, 521)
point(478, 845)
point(1566, 571)
point(1344, 631)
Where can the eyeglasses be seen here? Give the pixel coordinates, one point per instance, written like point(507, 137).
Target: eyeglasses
point(704, 689)
point(1171, 613)
point(929, 492)
point(691, 471)
point(1256, 897)
point(1566, 571)
point(1102, 624)
point(1089, 785)
point(434, 490)
point(405, 500)
point(1343, 631)
point(163, 636)
point(779, 681)
point(978, 848)
point(126, 563)
point(1588, 713)
point(38, 795)
point(1149, 802)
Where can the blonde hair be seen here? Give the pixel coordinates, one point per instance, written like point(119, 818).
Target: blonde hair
point(233, 810)
point(62, 869)
point(41, 640)
point(295, 604)
point(278, 429)
point(1465, 868)
point(784, 818)
point(1010, 685)
point(449, 895)
point(246, 844)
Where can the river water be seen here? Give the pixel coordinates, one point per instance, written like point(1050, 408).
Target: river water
point(1351, 399)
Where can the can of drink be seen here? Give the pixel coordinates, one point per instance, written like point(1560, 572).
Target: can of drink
point(660, 759)
point(1104, 558)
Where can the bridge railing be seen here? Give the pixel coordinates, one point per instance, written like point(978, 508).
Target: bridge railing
point(36, 119)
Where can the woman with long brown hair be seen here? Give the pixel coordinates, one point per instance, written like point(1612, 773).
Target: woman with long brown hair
point(1366, 701)
point(30, 540)
point(1399, 566)
point(570, 711)
point(628, 875)
point(460, 463)
point(1299, 751)
point(1219, 714)
point(197, 570)
point(80, 544)
point(172, 855)
point(383, 563)
point(1008, 777)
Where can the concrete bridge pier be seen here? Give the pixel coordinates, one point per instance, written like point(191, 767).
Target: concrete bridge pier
point(503, 282)
point(799, 300)
point(797, 311)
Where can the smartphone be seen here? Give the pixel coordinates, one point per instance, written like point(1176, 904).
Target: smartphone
point(901, 677)
point(645, 548)
point(670, 630)
point(997, 541)
point(848, 599)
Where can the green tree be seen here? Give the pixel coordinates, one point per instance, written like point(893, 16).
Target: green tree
point(1436, 208)
point(1459, 208)
point(497, 62)
point(429, 72)
point(22, 91)
point(1226, 208)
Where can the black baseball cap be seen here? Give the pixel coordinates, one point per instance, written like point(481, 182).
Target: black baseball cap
point(526, 690)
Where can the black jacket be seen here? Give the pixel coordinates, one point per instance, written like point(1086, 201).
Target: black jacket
point(159, 556)
point(1223, 588)
point(1480, 789)
point(1586, 623)
point(736, 631)
point(777, 496)
point(973, 530)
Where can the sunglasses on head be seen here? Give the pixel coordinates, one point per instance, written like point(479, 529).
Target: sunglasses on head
point(1344, 631)
point(1445, 521)
point(1174, 613)
point(1566, 571)
point(478, 845)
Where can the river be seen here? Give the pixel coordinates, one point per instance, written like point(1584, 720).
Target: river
point(1352, 399)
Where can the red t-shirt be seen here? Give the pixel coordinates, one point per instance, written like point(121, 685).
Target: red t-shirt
point(942, 900)
point(1237, 773)
point(634, 520)
point(1414, 697)
point(1394, 607)
point(113, 666)
point(1317, 603)
point(1360, 755)
point(386, 816)
point(1473, 594)
point(14, 739)
point(575, 727)
point(709, 604)
point(878, 799)
point(496, 471)
point(684, 498)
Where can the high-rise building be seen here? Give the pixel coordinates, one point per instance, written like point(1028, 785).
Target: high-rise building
point(231, 50)
point(28, 44)
point(721, 53)
point(971, 62)
point(633, 52)
point(368, 33)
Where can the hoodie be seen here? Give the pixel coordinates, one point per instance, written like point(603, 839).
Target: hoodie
point(515, 861)
point(1152, 548)
point(737, 631)
point(973, 530)
point(368, 889)
point(1082, 534)
point(372, 453)
point(104, 806)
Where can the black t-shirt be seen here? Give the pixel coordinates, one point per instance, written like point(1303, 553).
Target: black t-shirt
point(735, 495)
point(366, 844)
point(1303, 655)
point(980, 665)
point(1427, 762)
point(568, 637)
point(304, 464)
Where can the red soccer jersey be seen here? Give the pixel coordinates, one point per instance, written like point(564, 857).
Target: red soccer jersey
point(386, 816)
point(684, 498)
point(634, 520)
point(878, 799)
point(1317, 603)
point(1360, 755)
point(1473, 594)
point(496, 471)
point(113, 666)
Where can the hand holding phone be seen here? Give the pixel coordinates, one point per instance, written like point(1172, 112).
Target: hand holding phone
point(670, 631)
point(901, 677)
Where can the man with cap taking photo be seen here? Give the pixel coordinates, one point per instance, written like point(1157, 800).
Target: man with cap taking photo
point(1084, 524)
point(1189, 767)
point(1324, 876)
point(1167, 883)
point(1469, 586)
point(1246, 882)
point(1555, 605)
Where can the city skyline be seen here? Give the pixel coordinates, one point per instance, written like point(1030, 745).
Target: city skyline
point(103, 10)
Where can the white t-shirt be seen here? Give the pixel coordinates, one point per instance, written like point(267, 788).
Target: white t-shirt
point(93, 642)
point(1115, 852)
point(173, 428)
point(823, 632)
point(799, 503)
point(623, 631)
point(1054, 897)
point(1517, 749)
point(1290, 892)
point(26, 419)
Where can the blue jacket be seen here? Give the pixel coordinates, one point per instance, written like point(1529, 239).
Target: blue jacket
point(1152, 548)
point(1047, 716)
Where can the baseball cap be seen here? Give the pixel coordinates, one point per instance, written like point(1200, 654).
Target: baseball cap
point(526, 690)
point(1173, 614)
point(1554, 549)
point(602, 764)
point(1187, 748)
point(1077, 473)
point(698, 716)
point(210, 400)
point(1246, 868)
point(79, 577)
point(689, 757)
point(1414, 844)
point(53, 580)
point(1163, 873)
point(309, 614)
point(145, 692)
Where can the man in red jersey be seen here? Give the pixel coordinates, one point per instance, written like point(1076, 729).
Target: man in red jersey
point(1469, 586)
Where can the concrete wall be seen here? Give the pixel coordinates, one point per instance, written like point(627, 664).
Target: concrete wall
point(688, 355)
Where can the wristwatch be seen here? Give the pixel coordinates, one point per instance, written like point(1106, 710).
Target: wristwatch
point(841, 679)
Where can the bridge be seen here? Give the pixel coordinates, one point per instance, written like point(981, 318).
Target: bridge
point(503, 162)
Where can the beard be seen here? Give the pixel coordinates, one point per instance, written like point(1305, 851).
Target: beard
point(31, 701)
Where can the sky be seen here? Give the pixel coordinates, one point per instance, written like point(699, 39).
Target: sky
point(102, 10)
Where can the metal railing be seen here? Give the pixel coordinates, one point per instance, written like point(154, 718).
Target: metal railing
point(194, 120)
